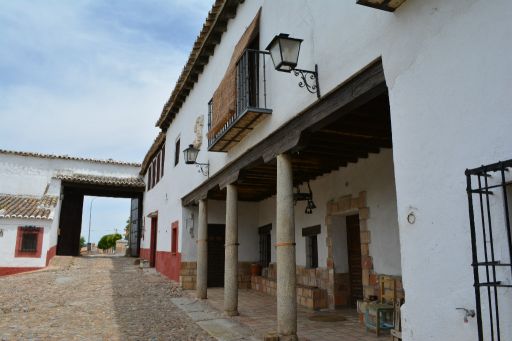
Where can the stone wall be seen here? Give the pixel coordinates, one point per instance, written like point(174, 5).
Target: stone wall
point(338, 290)
point(308, 296)
point(188, 275)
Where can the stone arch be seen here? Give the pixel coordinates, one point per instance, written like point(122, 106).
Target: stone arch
point(345, 205)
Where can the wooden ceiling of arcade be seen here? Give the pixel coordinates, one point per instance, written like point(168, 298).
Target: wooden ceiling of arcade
point(322, 149)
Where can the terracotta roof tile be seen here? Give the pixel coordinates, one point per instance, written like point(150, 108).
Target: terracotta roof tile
point(27, 207)
point(135, 181)
point(217, 16)
point(155, 147)
point(67, 157)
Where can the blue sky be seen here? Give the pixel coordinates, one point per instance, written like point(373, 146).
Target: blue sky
point(108, 214)
point(90, 77)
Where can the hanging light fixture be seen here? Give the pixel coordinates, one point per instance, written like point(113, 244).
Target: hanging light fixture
point(284, 52)
point(190, 154)
point(305, 196)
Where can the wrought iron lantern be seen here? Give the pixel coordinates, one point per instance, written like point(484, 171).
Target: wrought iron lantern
point(385, 5)
point(284, 52)
point(190, 154)
point(305, 196)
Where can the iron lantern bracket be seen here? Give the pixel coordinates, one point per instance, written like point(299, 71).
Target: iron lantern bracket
point(204, 168)
point(309, 80)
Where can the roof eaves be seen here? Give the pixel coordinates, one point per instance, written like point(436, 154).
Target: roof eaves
point(213, 28)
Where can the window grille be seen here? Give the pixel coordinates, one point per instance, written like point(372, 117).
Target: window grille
point(265, 245)
point(311, 245)
point(489, 189)
point(29, 240)
point(177, 152)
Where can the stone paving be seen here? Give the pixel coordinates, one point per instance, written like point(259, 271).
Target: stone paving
point(93, 298)
point(258, 312)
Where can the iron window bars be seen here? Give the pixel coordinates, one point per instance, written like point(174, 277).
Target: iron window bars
point(29, 238)
point(491, 245)
point(251, 89)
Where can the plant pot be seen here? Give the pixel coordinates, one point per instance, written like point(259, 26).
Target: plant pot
point(255, 269)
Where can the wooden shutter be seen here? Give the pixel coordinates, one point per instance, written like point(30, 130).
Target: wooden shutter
point(224, 98)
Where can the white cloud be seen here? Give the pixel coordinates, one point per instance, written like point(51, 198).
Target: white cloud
point(86, 78)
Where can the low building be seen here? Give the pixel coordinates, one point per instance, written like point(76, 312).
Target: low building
point(41, 203)
point(28, 232)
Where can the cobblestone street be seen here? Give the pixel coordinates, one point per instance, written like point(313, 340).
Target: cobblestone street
point(93, 298)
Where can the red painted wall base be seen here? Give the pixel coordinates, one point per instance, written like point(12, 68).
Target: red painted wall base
point(50, 254)
point(144, 253)
point(11, 271)
point(168, 264)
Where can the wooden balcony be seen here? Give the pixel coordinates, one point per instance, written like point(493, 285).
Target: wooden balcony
point(251, 106)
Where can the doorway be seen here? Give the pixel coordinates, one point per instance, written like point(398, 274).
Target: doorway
point(152, 246)
point(216, 240)
point(354, 259)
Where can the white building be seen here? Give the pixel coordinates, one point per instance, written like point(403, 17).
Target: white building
point(407, 101)
point(41, 199)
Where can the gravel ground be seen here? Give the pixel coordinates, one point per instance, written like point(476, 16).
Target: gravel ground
point(93, 298)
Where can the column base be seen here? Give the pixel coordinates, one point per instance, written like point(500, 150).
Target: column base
point(231, 313)
point(288, 337)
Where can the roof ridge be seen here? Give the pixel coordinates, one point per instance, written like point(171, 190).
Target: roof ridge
point(67, 157)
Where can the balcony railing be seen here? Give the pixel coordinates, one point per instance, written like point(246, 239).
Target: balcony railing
point(251, 102)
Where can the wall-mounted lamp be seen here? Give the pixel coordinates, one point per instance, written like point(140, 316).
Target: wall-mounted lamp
point(305, 196)
point(284, 52)
point(190, 159)
point(385, 5)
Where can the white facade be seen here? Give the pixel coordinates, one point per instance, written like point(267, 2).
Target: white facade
point(447, 72)
point(36, 175)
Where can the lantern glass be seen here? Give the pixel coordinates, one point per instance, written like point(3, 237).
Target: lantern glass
point(191, 155)
point(284, 52)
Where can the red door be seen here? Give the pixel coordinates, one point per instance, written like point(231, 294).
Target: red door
point(152, 247)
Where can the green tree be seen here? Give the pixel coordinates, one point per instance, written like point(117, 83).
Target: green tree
point(108, 241)
point(82, 242)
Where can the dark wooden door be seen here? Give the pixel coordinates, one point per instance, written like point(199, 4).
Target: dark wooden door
point(135, 227)
point(216, 240)
point(354, 259)
point(70, 224)
point(152, 247)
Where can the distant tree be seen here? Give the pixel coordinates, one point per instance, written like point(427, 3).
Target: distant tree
point(82, 242)
point(108, 241)
point(127, 229)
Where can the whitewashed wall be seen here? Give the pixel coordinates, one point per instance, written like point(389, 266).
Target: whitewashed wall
point(28, 175)
point(447, 70)
point(373, 175)
point(8, 242)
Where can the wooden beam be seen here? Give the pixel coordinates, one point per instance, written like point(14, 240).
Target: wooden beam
point(366, 85)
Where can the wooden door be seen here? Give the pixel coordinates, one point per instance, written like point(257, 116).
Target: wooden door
point(152, 247)
point(216, 240)
point(354, 259)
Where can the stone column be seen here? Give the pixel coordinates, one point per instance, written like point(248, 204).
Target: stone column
point(231, 253)
point(202, 250)
point(285, 252)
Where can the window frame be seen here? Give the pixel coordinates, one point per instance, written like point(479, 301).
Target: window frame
point(311, 238)
point(265, 245)
point(32, 230)
point(174, 237)
point(177, 146)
